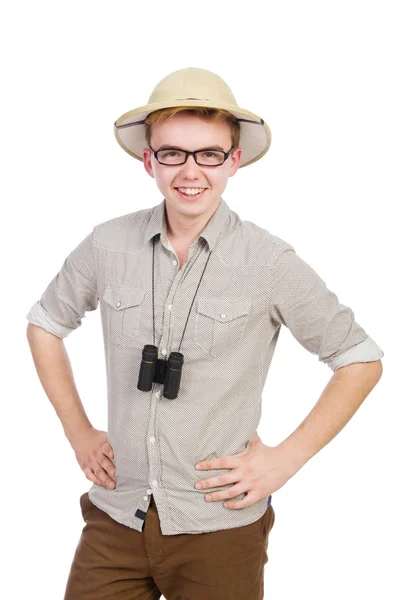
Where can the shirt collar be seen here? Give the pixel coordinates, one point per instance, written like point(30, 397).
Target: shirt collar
point(157, 223)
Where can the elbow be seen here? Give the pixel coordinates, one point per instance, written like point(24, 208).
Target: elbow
point(379, 367)
point(371, 370)
point(376, 367)
point(30, 329)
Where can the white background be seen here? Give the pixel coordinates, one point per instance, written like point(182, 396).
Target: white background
point(323, 76)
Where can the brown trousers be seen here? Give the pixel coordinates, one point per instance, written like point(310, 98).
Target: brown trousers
point(113, 561)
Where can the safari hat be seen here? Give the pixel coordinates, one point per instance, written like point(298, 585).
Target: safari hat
point(193, 87)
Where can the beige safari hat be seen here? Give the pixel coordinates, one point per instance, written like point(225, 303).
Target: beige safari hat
point(193, 87)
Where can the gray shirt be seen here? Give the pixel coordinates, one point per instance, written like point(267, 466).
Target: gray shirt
point(254, 282)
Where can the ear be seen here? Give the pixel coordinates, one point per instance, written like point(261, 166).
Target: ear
point(235, 160)
point(147, 161)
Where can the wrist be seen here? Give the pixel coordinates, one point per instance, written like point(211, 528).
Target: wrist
point(77, 431)
point(292, 455)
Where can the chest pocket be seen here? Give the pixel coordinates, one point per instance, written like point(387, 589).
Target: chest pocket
point(220, 323)
point(125, 306)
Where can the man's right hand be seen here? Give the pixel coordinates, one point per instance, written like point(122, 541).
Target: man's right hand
point(93, 452)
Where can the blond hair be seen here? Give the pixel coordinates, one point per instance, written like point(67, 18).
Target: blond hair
point(209, 114)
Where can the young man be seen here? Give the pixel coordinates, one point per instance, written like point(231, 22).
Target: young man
point(192, 301)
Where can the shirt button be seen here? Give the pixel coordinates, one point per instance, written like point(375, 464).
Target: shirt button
point(145, 498)
point(152, 439)
point(149, 491)
point(174, 263)
point(164, 351)
point(169, 306)
point(118, 304)
point(223, 316)
point(154, 483)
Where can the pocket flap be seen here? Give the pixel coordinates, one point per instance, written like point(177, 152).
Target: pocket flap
point(123, 296)
point(223, 309)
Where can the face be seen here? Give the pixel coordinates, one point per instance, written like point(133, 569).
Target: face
point(190, 132)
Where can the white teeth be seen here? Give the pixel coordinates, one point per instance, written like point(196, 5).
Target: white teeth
point(191, 191)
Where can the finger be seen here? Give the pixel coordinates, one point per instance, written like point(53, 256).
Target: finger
point(104, 477)
point(91, 476)
point(108, 466)
point(248, 500)
point(216, 481)
point(226, 462)
point(232, 492)
point(108, 450)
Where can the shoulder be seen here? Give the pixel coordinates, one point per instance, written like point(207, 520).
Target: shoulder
point(123, 233)
point(257, 243)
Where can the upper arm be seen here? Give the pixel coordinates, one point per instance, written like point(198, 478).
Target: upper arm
point(302, 302)
point(71, 293)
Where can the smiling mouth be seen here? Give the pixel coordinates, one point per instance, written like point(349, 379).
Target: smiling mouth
point(191, 194)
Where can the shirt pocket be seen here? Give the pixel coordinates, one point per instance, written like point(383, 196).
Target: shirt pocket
point(220, 323)
point(125, 307)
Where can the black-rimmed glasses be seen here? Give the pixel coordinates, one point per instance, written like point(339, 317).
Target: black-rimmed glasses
point(204, 158)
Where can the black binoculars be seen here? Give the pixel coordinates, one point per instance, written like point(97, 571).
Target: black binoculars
point(159, 370)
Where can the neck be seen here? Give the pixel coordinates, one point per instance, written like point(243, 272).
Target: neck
point(185, 229)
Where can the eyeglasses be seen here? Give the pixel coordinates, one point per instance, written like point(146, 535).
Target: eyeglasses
point(204, 158)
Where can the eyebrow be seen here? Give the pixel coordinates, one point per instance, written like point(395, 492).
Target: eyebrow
point(168, 147)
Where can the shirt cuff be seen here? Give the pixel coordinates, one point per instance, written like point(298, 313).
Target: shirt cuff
point(39, 316)
point(366, 351)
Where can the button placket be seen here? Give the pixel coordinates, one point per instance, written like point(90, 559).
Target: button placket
point(177, 282)
point(154, 458)
point(168, 312)
point(165, 346)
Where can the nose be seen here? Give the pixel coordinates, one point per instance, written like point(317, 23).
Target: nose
point(191, 168)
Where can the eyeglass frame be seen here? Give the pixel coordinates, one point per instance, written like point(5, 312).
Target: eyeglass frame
point(187, 154)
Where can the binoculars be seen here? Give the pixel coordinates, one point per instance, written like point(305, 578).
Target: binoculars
point(159, 370)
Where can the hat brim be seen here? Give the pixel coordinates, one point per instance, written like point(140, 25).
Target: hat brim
point(255, 135)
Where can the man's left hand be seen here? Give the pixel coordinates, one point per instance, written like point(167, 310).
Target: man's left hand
point(257, 471)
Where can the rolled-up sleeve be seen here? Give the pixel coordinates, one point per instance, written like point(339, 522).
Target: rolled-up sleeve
point(320, 323)
point(70, 294)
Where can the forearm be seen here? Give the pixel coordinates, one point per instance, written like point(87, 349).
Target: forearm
point(55, 373)
point(341, 398)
